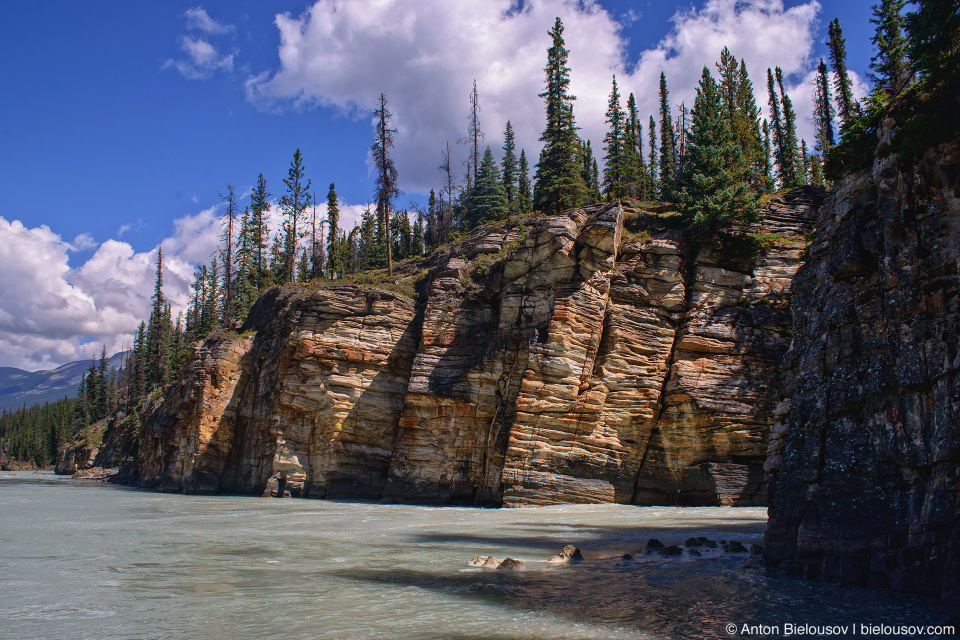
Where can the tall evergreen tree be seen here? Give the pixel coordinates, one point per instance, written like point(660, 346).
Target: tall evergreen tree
point(487, 201)
point(416, 242)
point(633, 152)
point(766, 167)
point(228, 223)
point(667, 143)
point(716, 194)
point(846, 105)
point(259, 232)
point(823, 111)
point(294, 206)
point(387, 186)
point(157, 334)
point(933, 38)
point(615, 169)
point(791, 152)
point(652, 158)
point(781, 148)
point(559, 183)
point(474, 133)
point(890, 65)
point(509, 167)
point(525, 204)
point(334, 257)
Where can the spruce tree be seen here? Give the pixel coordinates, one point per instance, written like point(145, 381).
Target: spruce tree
point(228, 223)
point(259, 232)
point(667, 143)
point(524, 202)
point(614, 171)
point(766, 167)
point(416, 242)
point(387, 186)
point(717, 194)
point(823, 111)
point(487, 201)
point(890, 64)
point(846, 106)
point(156, 341)
point(636, 173)
point(791, 153)
point(334, 258)
point(509, 167)
point(474, 133)
point(781, 152)
point(933, 38)
point(558, 183)
point(652, 158)
point(294, 206)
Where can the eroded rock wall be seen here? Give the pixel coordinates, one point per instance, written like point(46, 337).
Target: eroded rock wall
point(864, 459)
point(560, 360)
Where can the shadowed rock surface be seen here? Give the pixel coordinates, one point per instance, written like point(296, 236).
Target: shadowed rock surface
point(864, 459)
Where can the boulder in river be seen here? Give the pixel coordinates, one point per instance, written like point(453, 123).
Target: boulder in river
point(570, 553)
point(509, 564)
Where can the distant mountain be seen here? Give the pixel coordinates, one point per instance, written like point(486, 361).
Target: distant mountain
point(19, 387)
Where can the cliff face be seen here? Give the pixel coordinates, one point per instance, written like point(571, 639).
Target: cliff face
point(865, 454)
point(564, 361)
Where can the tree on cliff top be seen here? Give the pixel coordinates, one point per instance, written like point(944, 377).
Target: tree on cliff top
point(716, 193)
point(294, 207)
point(558, 182)
point(387, 188)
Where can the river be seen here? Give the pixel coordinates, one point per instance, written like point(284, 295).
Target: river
point(88, 560)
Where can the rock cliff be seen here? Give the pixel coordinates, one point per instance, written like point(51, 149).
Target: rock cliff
point(864, 459)
point(586, 357)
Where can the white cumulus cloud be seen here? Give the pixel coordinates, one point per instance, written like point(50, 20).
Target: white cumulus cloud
point(203, 56)
point(424, 57)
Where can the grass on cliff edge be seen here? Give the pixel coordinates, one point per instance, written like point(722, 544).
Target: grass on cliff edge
point(408, 274)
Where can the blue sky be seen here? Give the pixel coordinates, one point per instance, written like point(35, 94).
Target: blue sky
point(122, 120)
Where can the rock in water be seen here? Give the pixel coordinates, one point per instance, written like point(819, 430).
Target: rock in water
point(509, 564)
point(569, 553)
point(488, 563)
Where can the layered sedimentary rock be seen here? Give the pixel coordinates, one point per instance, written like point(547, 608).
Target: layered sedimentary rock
point(310, 392)
point(591, 356)
point(864, 460)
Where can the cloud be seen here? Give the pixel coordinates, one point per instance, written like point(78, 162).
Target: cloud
point(424, 57)
point(204, 58)
point(53, 312)
point(198, 20)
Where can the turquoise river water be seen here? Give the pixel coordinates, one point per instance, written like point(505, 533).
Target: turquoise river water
point(87, 560)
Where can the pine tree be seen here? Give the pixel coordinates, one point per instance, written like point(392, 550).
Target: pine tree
point(804, 178)
point(816, 172)
point(781, 151)
point(416, 242)
point(667, 148)
point(558, 182)
point(716, 193)
point(227, 224)
point(474, 133)
point(487, 201)
point(244, 284)
point(652, 158)
point(614, 173)
point(846, 106)
point(509, 168)
point(387, 188)
point(766, 167)
point(334, 257)
point(746, 128)
point(636, 172)
point(525, 204)
point(890, 63)
point(157, 335)
point(791, 152)
point(103, 399)
point(294, 206)
point(303, 266)
point(277, 270)
point(933, 38)
point(445, 209)
point(259, 232)
point(823, 112)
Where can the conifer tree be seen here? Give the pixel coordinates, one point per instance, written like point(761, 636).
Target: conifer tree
point(816, 172)
point(667, 143)
point(244, 285)
point(823, 111)
point(846, 106)
point(804, 177)
point(525, 204)
point(157, 333)
point(590, 177)
point(890, 64)
point(387, 187)
point(334, 257)
point(777, 133)
point(294, 206)
point(766, 167)
point(933, 38)
point(559, 183)
point(227, 224)
point(445, 209)
point(417, 242)
point(487, 201)
point(474, 134)
point(746, 128)
point(259, 232)
point(277, 271)
point(509, 167)
point(791, 153)
point(652, 158)
point(716, 194)
point(636, 173)
point(614, 171)
point(103, 399)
